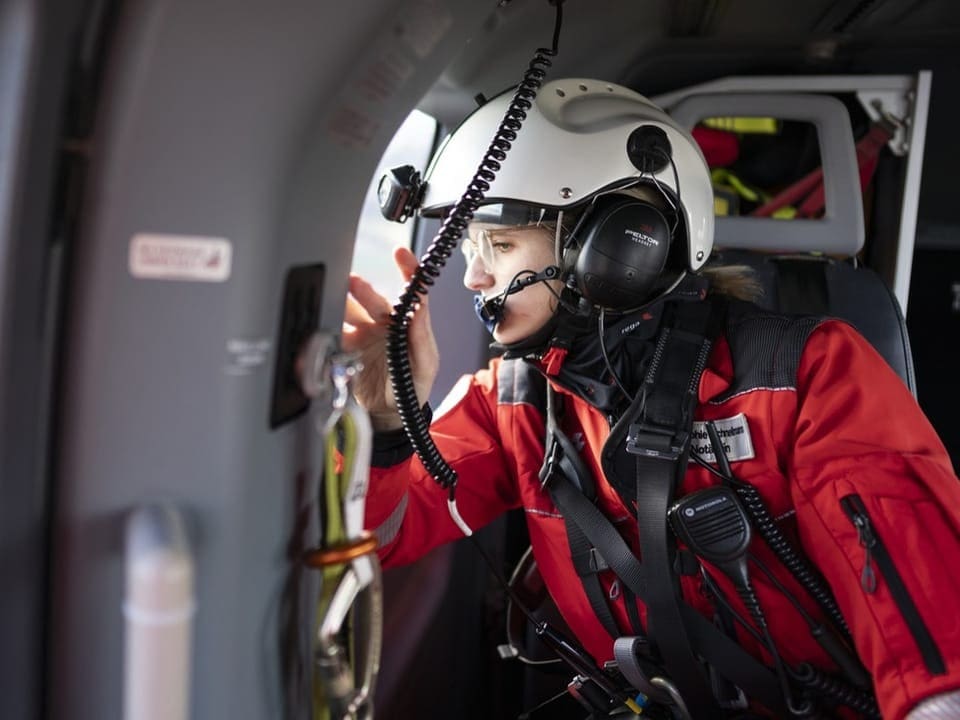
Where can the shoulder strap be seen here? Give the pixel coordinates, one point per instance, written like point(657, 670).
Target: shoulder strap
point(561, 457)
point(655, 433)
point(658, 434)
point(732, 661)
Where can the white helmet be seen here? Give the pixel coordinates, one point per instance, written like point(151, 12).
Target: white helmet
point(580, 139)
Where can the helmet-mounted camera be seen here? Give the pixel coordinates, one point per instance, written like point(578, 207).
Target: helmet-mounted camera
point(400, 192)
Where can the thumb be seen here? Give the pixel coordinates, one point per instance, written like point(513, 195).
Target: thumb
point(407, 263)
point(420, 331)
point(424, 355)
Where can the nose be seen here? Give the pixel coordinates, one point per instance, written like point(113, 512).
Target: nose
point(476, 277)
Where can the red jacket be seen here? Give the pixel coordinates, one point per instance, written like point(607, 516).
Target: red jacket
point(838, 423)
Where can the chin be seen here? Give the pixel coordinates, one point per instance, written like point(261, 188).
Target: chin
point(517, 328)
point(506, 336)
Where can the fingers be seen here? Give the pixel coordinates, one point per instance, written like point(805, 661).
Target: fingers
point(365, 317)
point(366, 320)
point(354, 313)
point(376, 306)
point(365, 306)
point(355, 318)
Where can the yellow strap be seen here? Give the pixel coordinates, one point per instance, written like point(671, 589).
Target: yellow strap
point(745, 125)
point(721, 206)
point(722, 176)
point(787, 212)
point(333, 531)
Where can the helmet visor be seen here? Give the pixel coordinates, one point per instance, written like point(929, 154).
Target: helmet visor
point(492, 224)
point(513, 214)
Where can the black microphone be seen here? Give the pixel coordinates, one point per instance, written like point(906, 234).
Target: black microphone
point(715, 527)
point(490, 310)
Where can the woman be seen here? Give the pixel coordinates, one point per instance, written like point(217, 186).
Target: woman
point(588, 260)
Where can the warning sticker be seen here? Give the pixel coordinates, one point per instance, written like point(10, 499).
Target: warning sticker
point(180, 257)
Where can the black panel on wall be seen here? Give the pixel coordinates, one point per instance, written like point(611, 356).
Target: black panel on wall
point(299, 318)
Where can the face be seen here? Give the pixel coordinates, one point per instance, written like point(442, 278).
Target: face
point(495, 254)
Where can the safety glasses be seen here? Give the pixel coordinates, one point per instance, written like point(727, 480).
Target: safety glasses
point(480, 241)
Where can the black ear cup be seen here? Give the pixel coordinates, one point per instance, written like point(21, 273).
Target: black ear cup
point(624, 249)
point(570, 254)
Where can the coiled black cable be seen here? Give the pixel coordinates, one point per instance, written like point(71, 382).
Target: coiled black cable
point(440, 250)
point(768, 529)
point(796, 563)
point(813, 683)
point(827, 686)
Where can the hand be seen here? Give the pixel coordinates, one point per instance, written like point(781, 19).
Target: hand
point(366, 320)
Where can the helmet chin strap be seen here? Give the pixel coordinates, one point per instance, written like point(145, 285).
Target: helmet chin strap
point(491, 310)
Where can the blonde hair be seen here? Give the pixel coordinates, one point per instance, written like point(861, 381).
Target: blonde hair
point(736, 281)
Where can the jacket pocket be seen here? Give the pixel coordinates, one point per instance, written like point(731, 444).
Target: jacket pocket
point(877, 565)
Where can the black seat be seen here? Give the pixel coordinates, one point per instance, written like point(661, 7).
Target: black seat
point(825, 286)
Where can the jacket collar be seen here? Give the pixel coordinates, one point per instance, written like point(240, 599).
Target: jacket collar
point(718, 375)
point(716, 379)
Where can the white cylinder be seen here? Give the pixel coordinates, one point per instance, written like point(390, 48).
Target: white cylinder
point(158, 612)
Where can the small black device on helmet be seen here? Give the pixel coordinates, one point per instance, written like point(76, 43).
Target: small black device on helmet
point(399, 193)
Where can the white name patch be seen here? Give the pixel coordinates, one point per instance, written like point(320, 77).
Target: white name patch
point(734, 433)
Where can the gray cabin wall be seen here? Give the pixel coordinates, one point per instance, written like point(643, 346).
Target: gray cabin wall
point(258, 123)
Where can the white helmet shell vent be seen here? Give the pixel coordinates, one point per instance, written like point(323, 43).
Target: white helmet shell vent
point(572, 146)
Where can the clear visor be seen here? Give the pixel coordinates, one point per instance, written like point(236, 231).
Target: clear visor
point(493, 224)
point(513, 214)
point(481, 240)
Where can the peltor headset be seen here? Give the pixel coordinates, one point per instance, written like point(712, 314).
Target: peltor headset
point(618, 254)
point(584, 143)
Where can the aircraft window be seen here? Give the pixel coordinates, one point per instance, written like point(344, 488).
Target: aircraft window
point(376, 236)
point(762, 166)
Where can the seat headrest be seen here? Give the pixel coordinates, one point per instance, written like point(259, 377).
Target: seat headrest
point(841, 230)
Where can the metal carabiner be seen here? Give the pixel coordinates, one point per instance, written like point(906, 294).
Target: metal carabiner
point(346, 682)
point(352, 420)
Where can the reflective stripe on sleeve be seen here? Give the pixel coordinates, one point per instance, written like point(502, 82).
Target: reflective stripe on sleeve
point(387, 531)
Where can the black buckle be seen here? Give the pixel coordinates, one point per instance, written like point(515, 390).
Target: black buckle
point(550, 465)
point(655, 441)
point(597, 563)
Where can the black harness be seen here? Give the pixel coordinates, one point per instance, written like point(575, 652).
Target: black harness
point(681, 658)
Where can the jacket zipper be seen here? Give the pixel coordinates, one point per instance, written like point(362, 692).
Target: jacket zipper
point(876, 551)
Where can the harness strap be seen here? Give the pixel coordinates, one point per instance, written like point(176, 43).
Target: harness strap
point(664, 622)
point(655, 432)
point(627, 651)
point(659, 439)
point(562, 456)
point(584, 560)
point(600, 532)
point(633, 612)
point(732, 661)
point(643, 459)
point(802, 286)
